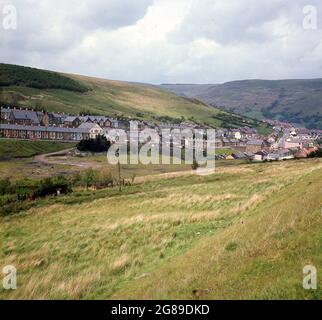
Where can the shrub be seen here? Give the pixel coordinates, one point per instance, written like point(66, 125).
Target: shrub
point(99, 144)
point(90, 178)
point(105, 179)
point(5, 185)
point(316, 154)
point(50, 186)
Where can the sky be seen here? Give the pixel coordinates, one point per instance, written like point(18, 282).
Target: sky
point(166, 41)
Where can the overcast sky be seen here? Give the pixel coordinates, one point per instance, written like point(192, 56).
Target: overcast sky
point(166, 41)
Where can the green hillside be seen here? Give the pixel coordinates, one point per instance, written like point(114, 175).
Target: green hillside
point(297, 101)
point(12, 75)
point(107, 97)
point(23, 149)
point(225, 236)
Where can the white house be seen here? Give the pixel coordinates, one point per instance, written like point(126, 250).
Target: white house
point(93, 129)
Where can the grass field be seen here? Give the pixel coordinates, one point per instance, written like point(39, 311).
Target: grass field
point(243, 232)
point(25, 149)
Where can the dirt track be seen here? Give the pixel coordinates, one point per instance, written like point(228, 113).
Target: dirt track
point(50, 159)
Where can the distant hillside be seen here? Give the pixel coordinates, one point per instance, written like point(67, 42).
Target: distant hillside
point(107, 97)
point(298, 101)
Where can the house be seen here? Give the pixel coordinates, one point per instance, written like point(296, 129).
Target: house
point(240, 156)
point(105, 123)
point(304, 152)
point(5, 115)
point(291, 142)
point(24, 117)
point(72, 122)
point(260, 156)
point(123, 124)
point(254, 146)
point(272, 156)
point(285, 154)
point(52, 119)
point(92, 128)
point(230, 142)
point(56, 119)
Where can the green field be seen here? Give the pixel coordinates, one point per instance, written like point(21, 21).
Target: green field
point(25, 149)
point(115, 98)
point(246, 231)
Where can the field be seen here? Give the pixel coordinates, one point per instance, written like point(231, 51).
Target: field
point(113, 98)
point(246, 231)
point(24, 148)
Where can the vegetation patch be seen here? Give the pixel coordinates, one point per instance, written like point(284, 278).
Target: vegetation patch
point(26, 149)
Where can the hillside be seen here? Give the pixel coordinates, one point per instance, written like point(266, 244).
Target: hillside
point(224, 236)
point(297, 101)
point(107, 97)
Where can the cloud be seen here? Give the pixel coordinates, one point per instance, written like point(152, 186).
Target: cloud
point(167, 40)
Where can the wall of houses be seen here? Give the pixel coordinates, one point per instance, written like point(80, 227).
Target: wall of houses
point(7, 131)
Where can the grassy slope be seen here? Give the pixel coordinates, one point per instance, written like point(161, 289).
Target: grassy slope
point(22, 149)
point(236, 236)
point(109, 97)
point(298, 101)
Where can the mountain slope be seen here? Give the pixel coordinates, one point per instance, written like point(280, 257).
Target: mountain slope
point(105, 97)
point(298, 101)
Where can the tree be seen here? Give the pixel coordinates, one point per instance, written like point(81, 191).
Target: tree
point(316, 154)
point(99, 144)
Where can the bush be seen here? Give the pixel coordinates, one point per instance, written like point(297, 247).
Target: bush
point(105, 179)
point(99, 144)
point(316, 154)
point(51, 186)
point(5, 185)
point(90, 178)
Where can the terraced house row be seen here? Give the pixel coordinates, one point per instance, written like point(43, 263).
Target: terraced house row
point(50, 133)
point(19, 116)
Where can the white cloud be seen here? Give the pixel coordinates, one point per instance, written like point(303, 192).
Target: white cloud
point(166, 40)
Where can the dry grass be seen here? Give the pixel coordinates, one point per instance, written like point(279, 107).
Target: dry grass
point(240, 233)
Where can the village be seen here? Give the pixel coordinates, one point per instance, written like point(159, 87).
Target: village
point(245, 143)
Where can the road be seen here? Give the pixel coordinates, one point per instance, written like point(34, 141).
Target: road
point(50, 159)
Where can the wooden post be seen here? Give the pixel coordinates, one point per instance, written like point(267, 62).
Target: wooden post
point(119, 171)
